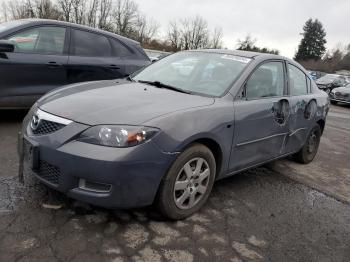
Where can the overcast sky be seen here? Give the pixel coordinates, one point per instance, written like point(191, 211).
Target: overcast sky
point(274, 23)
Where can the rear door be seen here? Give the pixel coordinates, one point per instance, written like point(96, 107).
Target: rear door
point(261, 117)
point(303, 107)
point(37, 65)
point(92, 58)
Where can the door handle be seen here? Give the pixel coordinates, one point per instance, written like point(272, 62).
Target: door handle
point(113, 67)
point(53, 64)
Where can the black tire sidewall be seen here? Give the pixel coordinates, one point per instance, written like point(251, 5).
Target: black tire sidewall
point(165, 200)
point(306, 156)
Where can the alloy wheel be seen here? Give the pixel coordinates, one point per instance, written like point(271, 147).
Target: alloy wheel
point(191, 183)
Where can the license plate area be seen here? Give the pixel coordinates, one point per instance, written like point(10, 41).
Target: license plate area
point(31, 153)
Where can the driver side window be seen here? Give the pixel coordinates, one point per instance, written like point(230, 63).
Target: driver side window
point(40, 40)
point(266, 81)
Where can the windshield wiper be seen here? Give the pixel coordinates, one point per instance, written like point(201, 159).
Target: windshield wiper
point(129, 79)
point(162, 85)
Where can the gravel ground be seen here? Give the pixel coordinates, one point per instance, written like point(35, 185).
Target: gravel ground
point(259, 215)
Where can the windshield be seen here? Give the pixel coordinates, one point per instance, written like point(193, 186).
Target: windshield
point(196, 72)
point(9, 25)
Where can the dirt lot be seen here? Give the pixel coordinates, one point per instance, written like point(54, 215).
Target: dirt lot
point(267, 214)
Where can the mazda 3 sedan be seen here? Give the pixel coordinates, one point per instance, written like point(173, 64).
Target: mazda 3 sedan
point(165, 134)
point(39, 55)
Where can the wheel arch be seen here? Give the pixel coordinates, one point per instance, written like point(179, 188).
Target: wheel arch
point(213, 146)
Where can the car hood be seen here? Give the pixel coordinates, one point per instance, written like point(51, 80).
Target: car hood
point(117, 102)
point(325, 81)
point(343, 90)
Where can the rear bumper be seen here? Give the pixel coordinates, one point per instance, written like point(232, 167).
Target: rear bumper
point(133, 174)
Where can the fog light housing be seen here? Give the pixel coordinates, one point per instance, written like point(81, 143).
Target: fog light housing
point(94, 187)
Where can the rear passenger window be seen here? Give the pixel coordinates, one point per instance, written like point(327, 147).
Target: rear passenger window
point(266, 81)
point(90, 44)
point(119, 49)
point(297, 81)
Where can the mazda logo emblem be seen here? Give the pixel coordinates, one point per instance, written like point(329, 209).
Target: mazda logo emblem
point(34, 124)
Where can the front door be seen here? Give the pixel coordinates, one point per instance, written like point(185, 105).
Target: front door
point(37, 65)
point(261, 117)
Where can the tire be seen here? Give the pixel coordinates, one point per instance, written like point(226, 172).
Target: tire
point(193, 184)
point(308, 152)
point(334, 102)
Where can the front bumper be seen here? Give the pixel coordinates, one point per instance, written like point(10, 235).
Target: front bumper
point(133, 174)
point(339, 98)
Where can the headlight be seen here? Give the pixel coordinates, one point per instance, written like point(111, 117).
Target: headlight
point(118, 136)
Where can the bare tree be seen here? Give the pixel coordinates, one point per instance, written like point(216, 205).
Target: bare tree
point(174, 36)
point(91, 16)
point(194, 33)
point(145, 29)
point(78, 7)
point(20, 9)
point(66, 8)
point(105, 11)
point(45, 9)
point(125, 16)
point(200, 33)
point(216, 38)
point(4, 15)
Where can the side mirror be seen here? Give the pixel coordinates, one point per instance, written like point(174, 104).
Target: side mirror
point(6, 46)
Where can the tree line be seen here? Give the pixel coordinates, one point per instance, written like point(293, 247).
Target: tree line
point(124, 17)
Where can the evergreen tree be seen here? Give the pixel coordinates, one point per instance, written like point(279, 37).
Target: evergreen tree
point(312, 45)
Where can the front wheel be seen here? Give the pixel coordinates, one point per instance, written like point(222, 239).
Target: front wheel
point(308, 152)
point(334, 102)
point(188, 183)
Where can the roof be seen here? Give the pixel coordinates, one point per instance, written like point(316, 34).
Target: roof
point(247, 54)
point(56, 22)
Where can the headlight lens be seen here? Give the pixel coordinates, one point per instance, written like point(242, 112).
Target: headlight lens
point(118, 136)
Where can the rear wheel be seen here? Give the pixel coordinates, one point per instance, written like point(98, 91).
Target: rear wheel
point(308, 152)
point(334, 102)
point(188, 183)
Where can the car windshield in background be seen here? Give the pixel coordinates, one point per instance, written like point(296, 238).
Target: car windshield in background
point(196, 72)
point(327, 79)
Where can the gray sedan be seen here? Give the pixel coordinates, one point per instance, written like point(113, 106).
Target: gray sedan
point(340, 94)
point(164, 135)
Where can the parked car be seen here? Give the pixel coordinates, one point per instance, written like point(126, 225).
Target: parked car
point(340, 94)
point(313, 75)
point(155, 55)
point(164, 137)
point(330, 81)
point(37, 56)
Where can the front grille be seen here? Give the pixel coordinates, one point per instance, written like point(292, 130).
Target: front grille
point(47, 127)
point(49, 172)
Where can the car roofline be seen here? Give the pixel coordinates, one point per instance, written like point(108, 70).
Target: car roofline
point(38, 21)
point(242, 53)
